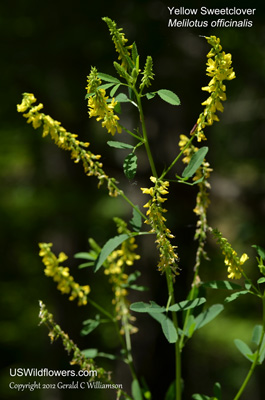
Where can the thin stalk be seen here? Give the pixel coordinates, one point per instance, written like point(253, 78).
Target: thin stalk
point(126, 344)
point(132, 134)
point(101, 309)
point(192, 293)
point(121, 193)
point(255, 362)
point(177, 158)
point(177, 344)
point(144, 131)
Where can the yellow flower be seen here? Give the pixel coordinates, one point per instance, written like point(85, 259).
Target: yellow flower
point(66, 141)
point(99, 106)
point(66, 283)
point(232, 261)
point(219, 69)
point(155, 218)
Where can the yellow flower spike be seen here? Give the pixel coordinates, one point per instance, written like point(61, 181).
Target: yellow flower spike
point(66, 141)
point(61, 275)
point(155, 218)
point(232, 261)
point(218, 67)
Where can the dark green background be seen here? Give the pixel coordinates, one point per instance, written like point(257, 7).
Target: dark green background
point(47, 48)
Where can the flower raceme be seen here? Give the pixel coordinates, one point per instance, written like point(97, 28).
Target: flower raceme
point(219, 69)
point(66, 283)
point(232, 260)
point(99, 106)
point(155, 218)
point(65, 140)
point(115, 266)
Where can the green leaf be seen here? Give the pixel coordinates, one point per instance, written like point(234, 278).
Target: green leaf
point(135, 275)
point(136, 390)
point(171, 392)
point(108, 248)
point(106, 355)
point(85, 256)
point(260, 251)
point(90, 353)
point(139, 288)
point(167, 325)
point(261, 280)
point(208, 315)
point(169, 330)
point(119, 145)
point(187, 304)
point(200, 397)
point(222, 285)
point(190, 327)
point(108, 78)
point(150, 95)
point(122, 98)
point(169, 96)
point(136, 221)
point(106, 86)
point(130, 166)
point(85, 265)
point(262, 352)
point(244, 349)
point(114, 90)
point(195, 162)
point(256, 335)
point(145, 307)
point(93, 353)
point(234, 296)
point(191, 183)
point(89, 95)
point(217, 390)
point(89, 326)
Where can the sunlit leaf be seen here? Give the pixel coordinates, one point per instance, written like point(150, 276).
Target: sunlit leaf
point(195, 162)
point(208, 315)
point(136, 390)
point(187, 304)
point(244, 349)
point(108, 248)
point(169, 96)
point(108, 78)
point(222, 285)
point(145, 307)
point(119, 145)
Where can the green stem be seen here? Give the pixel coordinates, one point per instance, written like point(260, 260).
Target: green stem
point(101, 309)
point(177, 344)
point(132, 134)
point(121, 193)
point(193, 290)
point(255, 362)
point(177, 158)
point(144, 131)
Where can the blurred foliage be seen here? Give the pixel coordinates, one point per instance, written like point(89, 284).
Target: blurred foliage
point(48, 49)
